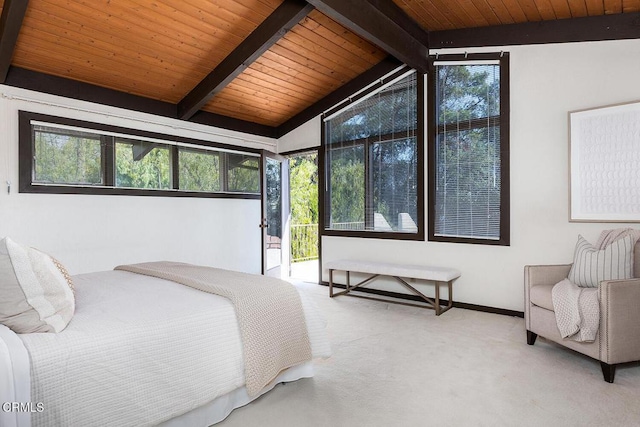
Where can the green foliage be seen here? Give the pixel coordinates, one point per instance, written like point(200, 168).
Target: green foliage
point(304, 189)
point(199, 170)
point(347, 185)
point(151, 171)
point(243, 173)
point(65, 159)
point(303, 178)
point(467, 92)
point(304, 242)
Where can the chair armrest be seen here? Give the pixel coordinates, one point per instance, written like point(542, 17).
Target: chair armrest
point(545, 274)
point(619, 321)
point(535, 275)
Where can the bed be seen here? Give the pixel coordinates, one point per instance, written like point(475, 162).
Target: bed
point(139, 350)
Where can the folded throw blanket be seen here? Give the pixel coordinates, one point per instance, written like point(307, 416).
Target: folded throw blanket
point(269, 311)
point(577, 311)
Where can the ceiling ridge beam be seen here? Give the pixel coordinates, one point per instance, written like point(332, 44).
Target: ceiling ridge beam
point(590, 28)
point(13, 12)
point(272, 29)
point(384, 24)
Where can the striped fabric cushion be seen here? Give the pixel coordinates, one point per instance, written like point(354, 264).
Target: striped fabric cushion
point(591, 266)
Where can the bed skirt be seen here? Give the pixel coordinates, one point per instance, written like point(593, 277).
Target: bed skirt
point(222, 406)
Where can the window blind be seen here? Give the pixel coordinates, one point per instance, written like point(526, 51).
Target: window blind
point(468, 165)
point(371, 162)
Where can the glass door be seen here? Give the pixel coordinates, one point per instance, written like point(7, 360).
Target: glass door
point(275, 211)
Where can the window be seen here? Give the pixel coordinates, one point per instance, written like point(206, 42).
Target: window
point(242, 174)
point(142, 164)
point(469, 149)
point(68, 157)
point(59, 155)
point(374, 162)
point(199, 170)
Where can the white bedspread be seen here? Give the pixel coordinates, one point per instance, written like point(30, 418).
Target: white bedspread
point(139, 351)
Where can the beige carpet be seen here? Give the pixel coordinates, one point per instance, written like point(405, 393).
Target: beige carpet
point(401, 366)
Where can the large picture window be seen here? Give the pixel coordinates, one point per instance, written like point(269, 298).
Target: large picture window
point(60, 155)
point(373, 162)
point(469, 149)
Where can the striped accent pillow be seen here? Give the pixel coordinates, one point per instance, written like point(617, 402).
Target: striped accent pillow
point(592, 265)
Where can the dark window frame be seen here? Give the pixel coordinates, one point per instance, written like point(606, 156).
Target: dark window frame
point(503, 58)
point(420, 174)
point(26, 155)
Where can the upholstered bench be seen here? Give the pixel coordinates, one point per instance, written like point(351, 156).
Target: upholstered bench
point(438, 275)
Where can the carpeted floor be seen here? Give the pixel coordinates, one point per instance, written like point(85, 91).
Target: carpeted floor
point(394, 365)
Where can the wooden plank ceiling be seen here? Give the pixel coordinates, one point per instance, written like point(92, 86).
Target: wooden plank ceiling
point(163, 49)
point(436, 15)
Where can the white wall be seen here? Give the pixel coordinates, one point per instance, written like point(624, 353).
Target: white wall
point(547, 82)
point(91, 233)
point(302, 137)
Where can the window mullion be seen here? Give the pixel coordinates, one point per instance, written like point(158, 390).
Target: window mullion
point(175, 167)
point(368, 186)
point(224, 171)
point(108, 160)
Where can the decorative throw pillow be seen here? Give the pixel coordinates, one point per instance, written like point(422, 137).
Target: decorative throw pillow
point(35, 294)
point(592, 265)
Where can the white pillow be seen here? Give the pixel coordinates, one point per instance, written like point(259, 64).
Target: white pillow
point(35, 290)
point(591, 265)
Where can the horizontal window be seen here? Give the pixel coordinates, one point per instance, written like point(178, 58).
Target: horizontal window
point(242, 174)
point(199, 170)
point(68, 157)
point(59, 155)
point(142, 164)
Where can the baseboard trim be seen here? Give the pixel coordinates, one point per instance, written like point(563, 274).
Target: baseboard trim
point(467, 306)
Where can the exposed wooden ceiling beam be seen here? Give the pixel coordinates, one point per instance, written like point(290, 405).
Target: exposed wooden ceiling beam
point(592, 28)
point(287, 15)
point(60, 86)
point(379, 70)
point(10, 22)
point(383, 23)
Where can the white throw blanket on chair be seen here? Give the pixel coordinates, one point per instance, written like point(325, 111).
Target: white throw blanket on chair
point(577, 309)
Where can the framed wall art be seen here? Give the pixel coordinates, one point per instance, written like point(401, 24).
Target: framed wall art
point(605, 164)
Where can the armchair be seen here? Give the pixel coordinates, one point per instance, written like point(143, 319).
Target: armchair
point(618, 338)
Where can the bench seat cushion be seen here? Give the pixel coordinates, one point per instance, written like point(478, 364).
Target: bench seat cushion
point(440, 274)
point(541, 296)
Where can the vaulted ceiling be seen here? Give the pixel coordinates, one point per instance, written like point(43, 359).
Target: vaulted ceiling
point(265, 66)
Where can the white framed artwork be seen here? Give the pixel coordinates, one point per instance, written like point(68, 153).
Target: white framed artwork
point(605, 164)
